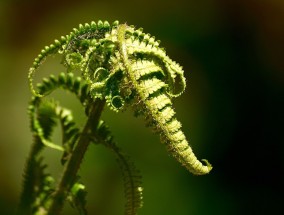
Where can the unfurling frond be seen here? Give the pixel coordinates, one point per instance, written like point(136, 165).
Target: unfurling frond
point(119, 66)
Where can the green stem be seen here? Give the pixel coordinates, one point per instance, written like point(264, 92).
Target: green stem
point(73, 164)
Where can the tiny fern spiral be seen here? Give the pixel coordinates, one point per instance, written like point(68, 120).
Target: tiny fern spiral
point(125, 66)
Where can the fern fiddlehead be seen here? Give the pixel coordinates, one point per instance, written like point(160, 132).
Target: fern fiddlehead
point(124, 65)
point(154, 94)
point(121, 66)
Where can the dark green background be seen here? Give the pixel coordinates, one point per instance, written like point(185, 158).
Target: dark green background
point(232, 110)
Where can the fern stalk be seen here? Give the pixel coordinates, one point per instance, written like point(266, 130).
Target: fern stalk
point(70, 171)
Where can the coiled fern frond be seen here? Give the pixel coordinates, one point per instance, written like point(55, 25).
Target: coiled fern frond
point(125, 66)
point(119, 66)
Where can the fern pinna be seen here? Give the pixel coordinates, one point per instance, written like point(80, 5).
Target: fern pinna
point(120, 66)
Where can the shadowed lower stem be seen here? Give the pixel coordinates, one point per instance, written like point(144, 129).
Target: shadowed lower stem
point(71, 168)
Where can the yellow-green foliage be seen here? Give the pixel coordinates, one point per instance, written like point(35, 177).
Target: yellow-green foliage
point(121, 66)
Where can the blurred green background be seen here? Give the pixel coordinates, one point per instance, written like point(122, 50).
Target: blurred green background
point(232, 110)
